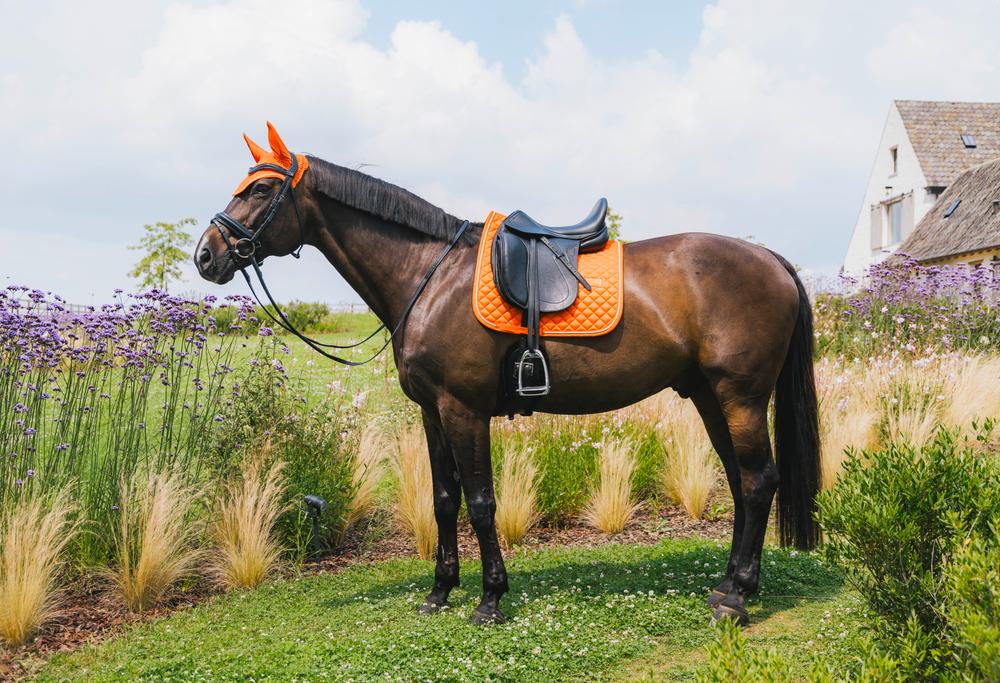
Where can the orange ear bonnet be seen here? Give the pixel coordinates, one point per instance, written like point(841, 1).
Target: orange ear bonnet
point(279, 156)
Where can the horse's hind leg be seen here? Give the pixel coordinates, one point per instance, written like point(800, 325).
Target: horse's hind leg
point(758, 481)
point(447, 498)
point(469, 436)
point(718, 432)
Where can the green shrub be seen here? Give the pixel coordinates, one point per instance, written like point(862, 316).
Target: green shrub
point(897, 521)
point(972, 582)
point(316, 441)
point(731, 660)
point(565, 453)
point(649, 460)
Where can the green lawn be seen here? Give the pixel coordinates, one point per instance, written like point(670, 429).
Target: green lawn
point(610, 613)
point(375, 382)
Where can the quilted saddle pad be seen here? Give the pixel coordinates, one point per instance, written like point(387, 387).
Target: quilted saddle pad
point(593, 313)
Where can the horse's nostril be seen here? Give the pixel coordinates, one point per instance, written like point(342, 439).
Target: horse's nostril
point(205, 256)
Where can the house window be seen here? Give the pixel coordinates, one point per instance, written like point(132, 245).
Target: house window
point(894, 158)
point(969, 141)
point(951, 208)
point(895, 222)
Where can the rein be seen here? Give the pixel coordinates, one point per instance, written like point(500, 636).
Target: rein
point(245, 249)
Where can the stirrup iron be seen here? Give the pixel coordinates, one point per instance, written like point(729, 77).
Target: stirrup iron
point(528, 359)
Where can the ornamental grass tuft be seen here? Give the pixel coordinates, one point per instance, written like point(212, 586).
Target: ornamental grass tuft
point(689, 468)
point(415, 504)
point(153, 541)
point(33, 536)
point(366, 475)
point(611, 505)
point(243, 526)
point(517, 497)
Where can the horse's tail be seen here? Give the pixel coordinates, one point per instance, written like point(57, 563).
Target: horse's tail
point(796, 431)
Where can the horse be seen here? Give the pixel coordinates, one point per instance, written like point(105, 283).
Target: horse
point(721, 321)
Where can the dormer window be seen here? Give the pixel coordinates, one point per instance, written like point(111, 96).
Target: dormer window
point(969, 141)
point(951, 208)
point(894, 158)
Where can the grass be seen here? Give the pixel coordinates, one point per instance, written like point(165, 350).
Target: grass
point(516, 497)
point(367, 475)
point(415, 502)
point(32, 539)
point(246, 547)
point(606, 613)
point(689, 469)
point(153, 543)
point(612, 505)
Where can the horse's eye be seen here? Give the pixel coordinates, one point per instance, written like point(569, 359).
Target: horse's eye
point(261, 188)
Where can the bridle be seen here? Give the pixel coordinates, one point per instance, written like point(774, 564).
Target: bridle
point(244, 250)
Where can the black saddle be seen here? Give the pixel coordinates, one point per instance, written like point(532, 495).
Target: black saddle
point(535, 269)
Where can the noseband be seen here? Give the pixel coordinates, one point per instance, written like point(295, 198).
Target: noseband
point(244, 251)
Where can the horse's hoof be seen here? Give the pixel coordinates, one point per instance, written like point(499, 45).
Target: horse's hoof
point(738, 614)
point(714, 598)
point(485, 616)
point(428, 607)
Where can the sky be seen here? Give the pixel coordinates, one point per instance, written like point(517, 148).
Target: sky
point(741, 117)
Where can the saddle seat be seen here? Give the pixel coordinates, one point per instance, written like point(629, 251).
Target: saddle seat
point(591, 232)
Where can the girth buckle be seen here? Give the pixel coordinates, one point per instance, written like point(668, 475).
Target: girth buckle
point(527, 386)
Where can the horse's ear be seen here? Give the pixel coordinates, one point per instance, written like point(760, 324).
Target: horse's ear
point(278, 148)
point(256, 150)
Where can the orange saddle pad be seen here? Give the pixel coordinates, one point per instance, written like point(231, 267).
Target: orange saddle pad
point(593, 313)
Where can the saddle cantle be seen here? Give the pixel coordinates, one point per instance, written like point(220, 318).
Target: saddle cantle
point(535, 269)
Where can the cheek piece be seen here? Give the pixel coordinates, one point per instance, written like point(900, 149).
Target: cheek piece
point(244, 251)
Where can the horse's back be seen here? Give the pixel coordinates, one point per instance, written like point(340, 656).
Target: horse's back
point(735, 301)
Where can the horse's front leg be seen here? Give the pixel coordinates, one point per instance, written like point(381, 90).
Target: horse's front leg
point(468, 433)
point(447, 499)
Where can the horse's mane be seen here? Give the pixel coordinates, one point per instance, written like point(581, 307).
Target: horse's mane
point(385, 200)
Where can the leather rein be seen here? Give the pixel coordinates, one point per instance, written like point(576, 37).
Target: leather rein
point(245, 250)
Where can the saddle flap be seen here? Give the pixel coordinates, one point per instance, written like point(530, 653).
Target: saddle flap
point(557, 288)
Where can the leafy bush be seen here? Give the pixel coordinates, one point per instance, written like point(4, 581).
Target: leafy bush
point(731, 660)
point(565, 454)
point(317, 443)
point(897, 521)
point(972, 585)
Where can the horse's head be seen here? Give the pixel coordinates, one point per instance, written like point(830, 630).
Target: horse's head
point(263, 217)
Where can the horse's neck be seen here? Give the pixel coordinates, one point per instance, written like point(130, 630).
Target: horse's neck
point(382, 261)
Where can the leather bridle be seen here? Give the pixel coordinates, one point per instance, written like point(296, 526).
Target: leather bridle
point(244, 251)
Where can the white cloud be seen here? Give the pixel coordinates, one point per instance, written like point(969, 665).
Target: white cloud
point(767, 127)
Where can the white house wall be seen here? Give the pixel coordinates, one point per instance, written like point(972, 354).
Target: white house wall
point(908, 178)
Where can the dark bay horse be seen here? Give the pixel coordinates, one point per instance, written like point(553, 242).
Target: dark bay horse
point(719, 320)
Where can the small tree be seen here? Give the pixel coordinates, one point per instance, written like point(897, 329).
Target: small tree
point(163, 245)
point(614, 224)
